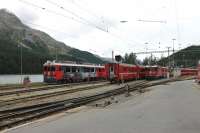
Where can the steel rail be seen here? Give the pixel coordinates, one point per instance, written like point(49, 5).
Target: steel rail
point(49, 87)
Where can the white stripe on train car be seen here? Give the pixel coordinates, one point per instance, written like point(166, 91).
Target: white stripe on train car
point(128, 73)
point(77, 65)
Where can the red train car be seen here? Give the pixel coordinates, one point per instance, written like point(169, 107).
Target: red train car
point(120, 72)
point(188, 72)
point(198, 73)
point(165, 72)
point(155, 72)
point(142, 73)
point(101, 73)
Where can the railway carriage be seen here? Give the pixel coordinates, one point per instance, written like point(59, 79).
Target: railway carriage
point(67, 72)
point(142, 73)
point(198, 74)
point(101, 73)
point(178, 72)
point(120, 72)
point(155, 72)
point(188, 72)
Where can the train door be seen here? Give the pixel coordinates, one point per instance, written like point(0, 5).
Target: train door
point(111, 72)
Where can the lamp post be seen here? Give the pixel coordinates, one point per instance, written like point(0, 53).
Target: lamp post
point(112, 56)
point(168, 56)
point(56, 54)
point(173, 51)
point(146, 43)
point(183, 60)
point(21, 59)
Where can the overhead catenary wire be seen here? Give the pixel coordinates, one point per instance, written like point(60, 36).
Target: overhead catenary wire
point(71, 12)
point(74, 14)
point(103, 21)
point(82, 8)
point(153, 21)
point(122, 21)
point(177, 21)
point(165, 51)
point(74, 19)
point(56, 13)
point(87, 10)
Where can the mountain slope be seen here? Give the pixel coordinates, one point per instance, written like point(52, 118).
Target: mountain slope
point(187, 57)
point(37, 47)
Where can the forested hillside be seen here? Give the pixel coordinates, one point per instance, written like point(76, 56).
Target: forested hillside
point(37, 47)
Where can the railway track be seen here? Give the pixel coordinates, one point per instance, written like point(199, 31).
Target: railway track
point(52, 94)
point(42, 88)
point(19, 86)
point(16, 116)
point(40, 85)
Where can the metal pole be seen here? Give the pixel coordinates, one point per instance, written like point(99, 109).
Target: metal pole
point(112, 56)
point(146, 43)
point(21, 58)
point(183, 60)
point(168, 57)
point(56, 54)
point(173, 51)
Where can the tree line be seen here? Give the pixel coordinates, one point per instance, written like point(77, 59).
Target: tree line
point(131, 58)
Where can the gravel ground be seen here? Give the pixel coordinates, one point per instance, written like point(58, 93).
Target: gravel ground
point(169, 108)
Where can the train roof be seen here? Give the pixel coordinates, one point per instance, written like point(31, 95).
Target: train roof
point(73, 64)
point(188, 68)
point(152, 66)
point(155, 66)
point(123, 64)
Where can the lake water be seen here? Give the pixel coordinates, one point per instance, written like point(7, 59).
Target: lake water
point(13, 79)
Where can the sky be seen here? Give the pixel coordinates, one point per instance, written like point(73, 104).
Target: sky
point(96, 25)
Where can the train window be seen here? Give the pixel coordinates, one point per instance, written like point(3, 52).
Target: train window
point(74, 69)
point(62, 68)
point(86, 69)
point(45, 68)
point(67, 69)
point(52, 68)
point(92, 69)
point(147, 69)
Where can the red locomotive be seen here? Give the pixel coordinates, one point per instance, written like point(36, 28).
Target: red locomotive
point(120, 72)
